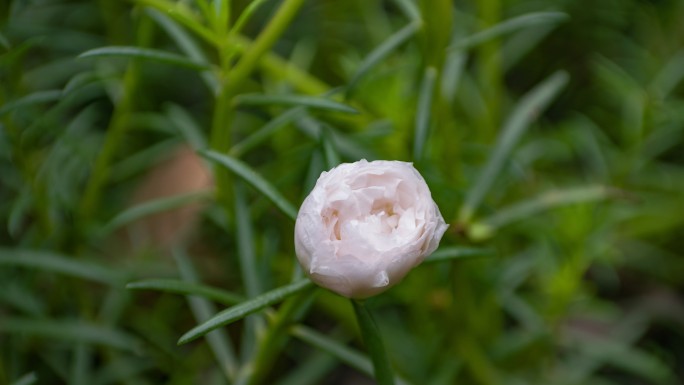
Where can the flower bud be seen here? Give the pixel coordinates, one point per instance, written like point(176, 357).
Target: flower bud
point(365, 225)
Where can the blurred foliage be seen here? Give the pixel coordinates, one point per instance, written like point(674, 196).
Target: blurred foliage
point(550, 133)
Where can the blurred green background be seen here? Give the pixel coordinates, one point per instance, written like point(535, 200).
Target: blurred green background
point(551, 134)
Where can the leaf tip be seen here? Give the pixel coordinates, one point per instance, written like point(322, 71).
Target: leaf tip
point(185, 338)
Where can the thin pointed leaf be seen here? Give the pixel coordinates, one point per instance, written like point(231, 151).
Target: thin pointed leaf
point(245, 243)
point(529, 107)
point(218, 340)
point(60, 264)
point(186, 44)
point(141, 161)
point(452, 253)
point(26, 379)
point(75, 331)
point(256, 180)
point(423, 112)
point(5, 44)
point(266, 131)
point(245, 15)
point(509, 26)
point(122, 369)
point(521, 43)
point(293, 100)
point(349, 356)
point(244, 309)
point(408, 7)
point(187, 288)
point(80, 366)
point(248, 267)
point(146, 54)
point(452, 72)
point(309, 371)
point(382, 369)
point(181, 13)
point(31, 99)
point(547, 201)
point(331, 155)
point(670, 76)
point(382, 51)
point(23, 299)
point(187, 126)
point(344, 353)
point(153, 207)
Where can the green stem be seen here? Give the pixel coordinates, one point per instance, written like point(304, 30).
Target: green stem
point(262, 44)
point(373, 340)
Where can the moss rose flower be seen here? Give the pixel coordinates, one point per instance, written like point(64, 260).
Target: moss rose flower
point(365, 225)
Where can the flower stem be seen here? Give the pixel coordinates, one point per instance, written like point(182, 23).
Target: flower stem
point(373, 340)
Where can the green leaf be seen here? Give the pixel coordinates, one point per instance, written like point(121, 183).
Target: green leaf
point(329, 147)
point(669, 76)
point(527, 109)
point(153, 207)
point(244, 309)
point(22, 298)
point(26, 379)
point(256, 180)
point(382, 369)
point(248, 265)
point(452, 72)
point(122, 369)
point(147, 54)
point(187, 126)
point(620, 354)
point(143, 160)
point(408, 7)
point(266, 131)
point(245, 243)
point(177, 286)
point(423, 112)
point(218, 340)
point(344, 353)
point(4, 42)
point(293, 100)
point(60, 264)
point(310, 370)
point(245, 15)
point(80, 364)
point(454, 252)
point(382, 51)
point(508, 26)
point(186, 44)
point(73, 331)
point(31, 99)
point(349, 356)
point(546, 201)
point(183, 14)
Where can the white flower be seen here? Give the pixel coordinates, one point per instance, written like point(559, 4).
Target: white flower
point(365, 225)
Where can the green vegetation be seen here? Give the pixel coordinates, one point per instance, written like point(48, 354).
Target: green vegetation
point(153, 154)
